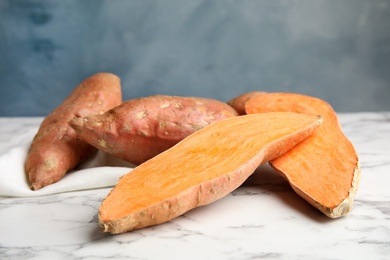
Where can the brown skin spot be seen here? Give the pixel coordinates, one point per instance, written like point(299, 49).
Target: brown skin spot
point(140, 133)
point(165, 105)
point(126, 128)
point(197, 127)
point(98, 123)
point(179, 105)
point(204, 122)
point(102, 143)
point(50, 163)
point(162, 124)
point(141, 115)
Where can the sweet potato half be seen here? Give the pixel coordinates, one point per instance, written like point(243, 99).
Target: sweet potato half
point(56, 149)
point(323, 169)
point(141, 128)
point(200, 169)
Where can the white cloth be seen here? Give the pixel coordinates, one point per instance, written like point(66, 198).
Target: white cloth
point(102, 170)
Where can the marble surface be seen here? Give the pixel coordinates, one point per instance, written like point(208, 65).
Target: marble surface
point(263, 219)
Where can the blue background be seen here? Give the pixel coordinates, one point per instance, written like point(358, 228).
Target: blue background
point(335, 50)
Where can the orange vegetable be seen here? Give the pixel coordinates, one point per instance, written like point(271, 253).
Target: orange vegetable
point(324, 168)
point(141, 128)
point(200, 169)
point(55, 148)
point(238, 103)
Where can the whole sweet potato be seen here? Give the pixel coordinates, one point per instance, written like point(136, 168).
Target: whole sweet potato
point(55, 148)
point(141, 128)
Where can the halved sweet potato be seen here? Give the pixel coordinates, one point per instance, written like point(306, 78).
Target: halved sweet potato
point(200, 169)
point(323, 169)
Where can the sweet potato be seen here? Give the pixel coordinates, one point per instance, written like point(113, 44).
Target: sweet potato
point(55, 148)
point(200, 169)
point(238, 103)
point(141, 128)
point(323, 169)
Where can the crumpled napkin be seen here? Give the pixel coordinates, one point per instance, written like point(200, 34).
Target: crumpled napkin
point(100, 171)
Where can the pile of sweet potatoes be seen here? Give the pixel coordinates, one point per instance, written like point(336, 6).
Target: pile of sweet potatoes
point(94, 117)
point(201, 148)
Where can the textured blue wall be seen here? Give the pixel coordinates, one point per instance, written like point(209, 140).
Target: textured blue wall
point(336, 50)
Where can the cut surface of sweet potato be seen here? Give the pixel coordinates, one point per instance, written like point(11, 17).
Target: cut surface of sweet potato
point(324, 168)
point(200, 169)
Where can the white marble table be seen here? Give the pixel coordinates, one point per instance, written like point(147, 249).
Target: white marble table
point(263, 219)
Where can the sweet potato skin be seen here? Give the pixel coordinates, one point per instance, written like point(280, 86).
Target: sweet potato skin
point(55, 148)
point(141, 128)
point(200, 169)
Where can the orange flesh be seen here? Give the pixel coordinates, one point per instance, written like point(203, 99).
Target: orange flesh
point(219, 150)
point(238, 103)
point(323, 166)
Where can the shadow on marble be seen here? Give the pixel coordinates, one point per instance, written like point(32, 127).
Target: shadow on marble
point(269, 181)
point(264, 182)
